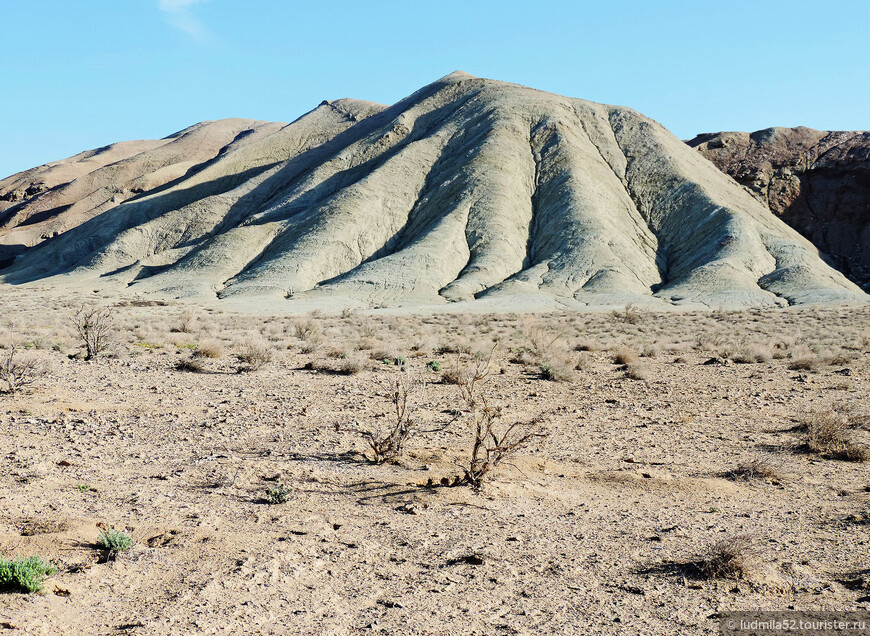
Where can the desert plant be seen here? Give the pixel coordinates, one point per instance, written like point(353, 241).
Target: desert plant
point(254, 354)
point(17, 372)
point(555, 371)
point(759, 468)
point(114, 540)
point(406, 391)
point(192, 364)
point(541, 340)
point(278, 495)
point(629, 314)
point(827, 434)
point(94, 326)
point(24, 574)
point(734, 557)
point(208, 349)
point(305, 329)
point(469, 377)
point(636, 371)
point(492, 443)
point(434, 366)
point(625, 355)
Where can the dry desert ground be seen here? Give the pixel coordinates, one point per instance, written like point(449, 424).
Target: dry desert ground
point(693, 463)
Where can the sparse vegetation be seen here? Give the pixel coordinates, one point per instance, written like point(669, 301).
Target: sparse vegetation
point(406, 391)
point(192, 365)
point(491, 442)
point(17, 372)
point(756, 468)
point(95, 328)
point(209, 349)
point(24, 574)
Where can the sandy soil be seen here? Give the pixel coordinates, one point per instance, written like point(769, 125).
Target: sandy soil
point(592, 530)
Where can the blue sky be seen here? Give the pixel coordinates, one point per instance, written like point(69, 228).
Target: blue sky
point(79, 74)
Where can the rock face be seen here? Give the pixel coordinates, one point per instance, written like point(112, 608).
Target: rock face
point(817, 182)
point(467, 189)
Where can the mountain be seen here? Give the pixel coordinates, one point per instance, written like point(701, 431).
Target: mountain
point(816, 181)
point(469, 189)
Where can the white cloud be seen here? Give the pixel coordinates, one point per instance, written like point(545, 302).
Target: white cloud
point(178, 13)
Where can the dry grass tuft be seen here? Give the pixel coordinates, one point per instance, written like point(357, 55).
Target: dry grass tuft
point(625, 355)
point(735, 557)
point(637, 371)
point(827, 434)
point(254, 354)
point(209, 349)
point(757, 468)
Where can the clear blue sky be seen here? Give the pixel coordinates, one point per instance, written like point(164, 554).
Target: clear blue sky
point(79, 74)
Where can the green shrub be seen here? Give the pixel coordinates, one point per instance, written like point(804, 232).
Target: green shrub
point(278, 495)
point(25, 575)
point(114, 540)
point(434, 366)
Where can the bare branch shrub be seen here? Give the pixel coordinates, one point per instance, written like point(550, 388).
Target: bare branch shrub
point(17, 372)
point(406, 391)
point(629, 315)
point(756, 468)
point(491, 442)
point(209, 349)
point(95, 328)
point(305, 329)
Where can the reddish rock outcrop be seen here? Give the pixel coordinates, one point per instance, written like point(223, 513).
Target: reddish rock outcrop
point(818, 182)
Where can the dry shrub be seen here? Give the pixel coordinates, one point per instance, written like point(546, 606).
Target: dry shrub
point(305, 329)
point(841, 356)
point(649, 350)
point(209, 349)
point(95, 328)
point(625, 355)
point(750, 353)
point(541, 340)
point(630, 314)
point(16, 371)
point(635, 371)
point(192, 365)
point(757, 468)
point(588, 345)
point(336, 353)
point(188, 323)
point(735, 557)
point(556, 370)
point(827, 434)
point(802, 358)
point(254, 354)
point(350, 365)
point(491, 442)
point(584, 363)
point(406, 392)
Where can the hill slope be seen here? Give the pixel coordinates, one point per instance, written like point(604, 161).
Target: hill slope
point(467, 189)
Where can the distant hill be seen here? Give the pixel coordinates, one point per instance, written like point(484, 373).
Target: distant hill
point(469, 189)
